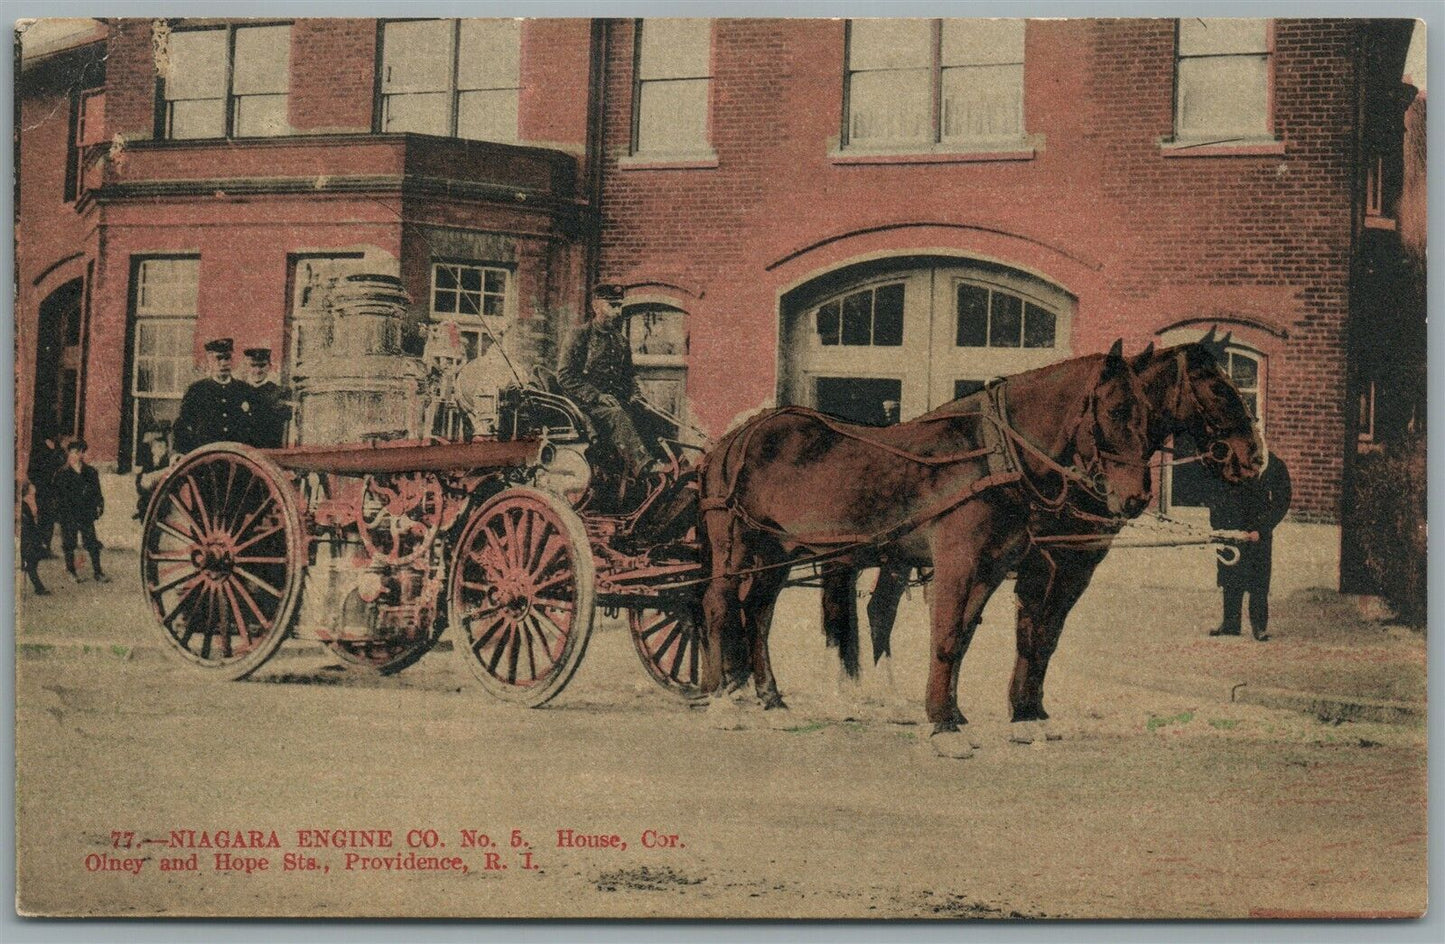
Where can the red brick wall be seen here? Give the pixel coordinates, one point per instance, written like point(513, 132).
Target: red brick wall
point(1143, 241)
point(57, 243)
point(333, 75)
point(130, 99)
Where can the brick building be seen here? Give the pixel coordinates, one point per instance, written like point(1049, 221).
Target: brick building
point(869, 217)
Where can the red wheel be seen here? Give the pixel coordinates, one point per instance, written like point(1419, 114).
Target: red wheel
point(669, 643)
point(221, 558)
point(520, 595)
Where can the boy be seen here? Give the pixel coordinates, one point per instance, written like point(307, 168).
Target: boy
point(78, 504)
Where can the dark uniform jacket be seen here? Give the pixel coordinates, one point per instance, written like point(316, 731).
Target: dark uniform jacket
point(1258, 504)
point(213, 412)
point(45, 461)
point(599, 361)
point(266, 416)
point(78, 500)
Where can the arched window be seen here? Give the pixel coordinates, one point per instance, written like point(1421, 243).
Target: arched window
point(888, 339)
point(658, 334)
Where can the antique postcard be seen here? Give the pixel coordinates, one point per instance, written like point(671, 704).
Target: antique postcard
point(720, 468)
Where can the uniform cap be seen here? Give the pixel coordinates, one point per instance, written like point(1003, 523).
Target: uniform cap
point(608, 291)
point(221, 346)
point(258, 355)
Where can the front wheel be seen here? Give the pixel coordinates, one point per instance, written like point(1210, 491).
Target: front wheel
point(520, 595)
point(221, 557)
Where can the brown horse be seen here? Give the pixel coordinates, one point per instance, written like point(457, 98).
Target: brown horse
point(1186, 392)
point(953, 489)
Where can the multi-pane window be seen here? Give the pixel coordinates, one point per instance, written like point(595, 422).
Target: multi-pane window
point(872, 317)
point(162, 361)
point(658, 336)
point(227, 82)
point(464, 292)
point(1223, 76)
point(1243, 368)
point(920, 83)
point(673, 86)
point(991, 317)
point(452, 78)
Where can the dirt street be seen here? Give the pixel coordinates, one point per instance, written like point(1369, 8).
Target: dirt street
point(1149, 804)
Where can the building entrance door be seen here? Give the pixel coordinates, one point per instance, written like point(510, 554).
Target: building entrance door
point(880, 343)
point(59, 362)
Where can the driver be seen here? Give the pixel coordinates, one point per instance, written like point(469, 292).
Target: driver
point(597, 373)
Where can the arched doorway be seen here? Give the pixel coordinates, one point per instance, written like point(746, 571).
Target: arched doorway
point(59, 360)
point(891, 339)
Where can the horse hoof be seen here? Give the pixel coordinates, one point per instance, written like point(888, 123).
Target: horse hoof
point(951, 744)
point(774, 702)
point(1030, 713)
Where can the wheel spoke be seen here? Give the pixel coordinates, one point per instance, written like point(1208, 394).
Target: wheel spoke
point(250, 601)
point(554, 580)
point(664, 620)
point(168, 558)
point(166, 618)
point(499, 649)
point(516, 652)
point(189, 539)
point(162, 588)
point(189, 482)
point(278, 526)
point(537, 536)
point(509, 540)
point(544, 620)
point(255, 514)
point(672, 637)
point(226, 506)
point(236, 612)
point(259, 582)
point(492, 628)
point(551, 603)
point(531, 649)
point(207, 624)
point(483, 612)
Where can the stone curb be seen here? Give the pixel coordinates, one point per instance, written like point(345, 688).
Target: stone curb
point(1325, 707)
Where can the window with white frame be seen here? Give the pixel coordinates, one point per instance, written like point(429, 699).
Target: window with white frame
point(162, 357)
point(231, 81)
point(988, 316)
point(872, 317)
point(452, 78)
point(673, 87)
point(1222, 80)
point(466, 293)
point(928, 83)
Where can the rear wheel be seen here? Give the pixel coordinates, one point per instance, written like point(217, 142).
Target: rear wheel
point(520, 595)
point(221, 559)
point(669, 642)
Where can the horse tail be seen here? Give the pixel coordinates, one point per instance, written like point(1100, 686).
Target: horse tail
point(840, 614)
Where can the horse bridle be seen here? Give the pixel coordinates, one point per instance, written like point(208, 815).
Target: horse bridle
point(1216, 448)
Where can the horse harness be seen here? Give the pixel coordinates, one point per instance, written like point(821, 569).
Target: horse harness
point(1000, 445)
